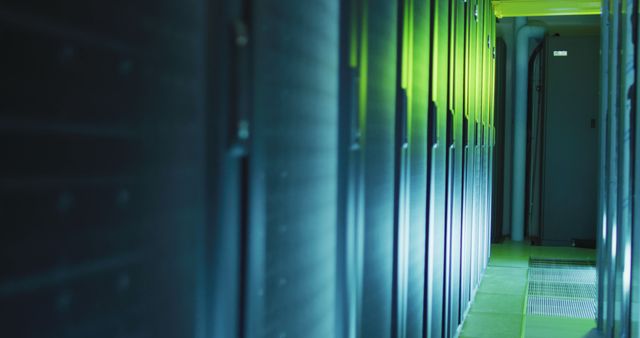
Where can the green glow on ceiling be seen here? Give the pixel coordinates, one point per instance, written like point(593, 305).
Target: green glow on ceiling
point(510, 8)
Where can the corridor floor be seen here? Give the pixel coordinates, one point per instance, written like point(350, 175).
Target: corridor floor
point(498, 310)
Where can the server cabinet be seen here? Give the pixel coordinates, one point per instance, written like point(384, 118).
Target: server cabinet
point(171, 168)
point(617, 235)
point(469, 229)
point(293, 171)
point(466, 228)
point(244, 169)
point(377, 119)
point(624, 115)
point(499, 125)
point(413, 82)
point(437, 125)
point(401, 174)
point(349, 199)
point(106, 194)
point(488, 129)
point(418, 115)
point(570, 136)
point(455, 163)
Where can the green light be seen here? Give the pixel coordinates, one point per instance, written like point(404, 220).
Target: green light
point(406, 41)
point(353, 36)
point(506, 8)
point(363, 69)
point(452, 54)
point(407, 58)
point(407, 69)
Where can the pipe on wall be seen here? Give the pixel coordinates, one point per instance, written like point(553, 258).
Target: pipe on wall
point(523, 36)
point(518, 23)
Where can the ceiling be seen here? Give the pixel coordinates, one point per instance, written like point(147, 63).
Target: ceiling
point(511, 8)
point(572, 25)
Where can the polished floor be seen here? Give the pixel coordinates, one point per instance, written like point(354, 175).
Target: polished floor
point(499, 308)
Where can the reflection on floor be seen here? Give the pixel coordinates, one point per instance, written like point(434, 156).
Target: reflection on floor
point(499, 308)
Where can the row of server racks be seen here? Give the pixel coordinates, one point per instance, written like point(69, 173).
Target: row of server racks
point(250, 168)
point(619, 173)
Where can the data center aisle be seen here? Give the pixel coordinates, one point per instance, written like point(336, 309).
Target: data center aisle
point(499, 307)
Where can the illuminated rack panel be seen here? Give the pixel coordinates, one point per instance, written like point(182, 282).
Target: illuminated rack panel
point(619, 173)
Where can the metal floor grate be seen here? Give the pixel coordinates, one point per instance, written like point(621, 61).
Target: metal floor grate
point(561, 263)
point(562, 288)
point(564, 275)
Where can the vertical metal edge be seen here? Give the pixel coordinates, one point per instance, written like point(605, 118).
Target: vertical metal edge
point(612, 160)
point(627, 75)
point(345, 295)
point(602, 160)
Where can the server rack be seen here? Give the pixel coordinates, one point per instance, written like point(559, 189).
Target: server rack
point(377, 108)
point(292, 263)
point(104, 187)
point(437, 181)
point(455, 153)
point(311, 170)
point(417, 85)
point(411, 171)
point(617, 210)
point(568, 213)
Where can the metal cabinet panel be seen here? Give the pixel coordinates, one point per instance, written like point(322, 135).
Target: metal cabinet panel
point(293, 169)
point(104, 189)
point(378, 78)
point(569, 178)
point(415, 82)
point(617, 237)
point(437, 126)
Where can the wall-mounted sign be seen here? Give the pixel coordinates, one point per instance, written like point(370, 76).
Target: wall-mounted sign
point(560, 53)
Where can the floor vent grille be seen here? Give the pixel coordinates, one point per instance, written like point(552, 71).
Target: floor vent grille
point(562, 288)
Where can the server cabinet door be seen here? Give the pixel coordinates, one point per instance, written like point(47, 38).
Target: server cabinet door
point(417, 85)
point(569, 189)
point(105, 189)
point(455, 130)
point(499, 141)
point(293, 172)
point(349, 222)
point(378, 106)
point(437, 126)
point(623, 238)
